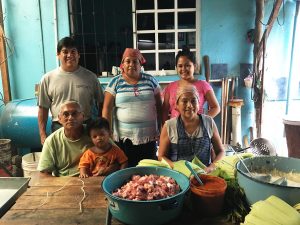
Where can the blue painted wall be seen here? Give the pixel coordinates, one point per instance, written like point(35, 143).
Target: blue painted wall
point(30, 29)
point(224, 25)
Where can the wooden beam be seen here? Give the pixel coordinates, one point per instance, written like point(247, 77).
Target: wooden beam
point(3, 61)
point(258, 30)
point(272, 19)
point(258, 62)
point(260, 6)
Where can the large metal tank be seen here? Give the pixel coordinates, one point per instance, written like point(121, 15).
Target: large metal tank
point(19, 122)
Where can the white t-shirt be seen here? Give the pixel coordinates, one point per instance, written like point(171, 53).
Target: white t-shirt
point(81, 85)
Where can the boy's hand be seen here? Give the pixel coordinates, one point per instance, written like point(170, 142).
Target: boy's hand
point(83, 173)
point(99, 173)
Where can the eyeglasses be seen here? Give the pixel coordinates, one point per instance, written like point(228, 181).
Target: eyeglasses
point(66, 114)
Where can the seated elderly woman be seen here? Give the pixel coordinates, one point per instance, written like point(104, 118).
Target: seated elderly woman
point(190, 134)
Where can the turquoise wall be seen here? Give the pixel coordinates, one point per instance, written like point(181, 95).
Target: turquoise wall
point(30, 29)
point(224, 25)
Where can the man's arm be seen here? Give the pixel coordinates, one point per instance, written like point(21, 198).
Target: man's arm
point(109, 102)
point(44, 174)
point(124, 165)
point(99, 98)
point(42, 121)
point(158, 103)
point(100, 105)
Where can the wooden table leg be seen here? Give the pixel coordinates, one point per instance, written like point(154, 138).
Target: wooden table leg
point(108, 217)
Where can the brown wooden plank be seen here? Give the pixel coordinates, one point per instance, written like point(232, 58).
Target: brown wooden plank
point(68, 190)
point(92, 216)
point(63, 206)
point(222, 110)
point(66, 216)
point(226, 110)
point(3, 61)
point(59, 202)
point(189, 218)
point(258, 63)
point(60, 181)
point(206, 67)
point(272, 19)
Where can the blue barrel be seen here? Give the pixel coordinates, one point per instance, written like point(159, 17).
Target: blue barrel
point(19, 122)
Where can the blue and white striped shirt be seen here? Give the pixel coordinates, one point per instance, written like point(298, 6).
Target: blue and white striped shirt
point(135, 115)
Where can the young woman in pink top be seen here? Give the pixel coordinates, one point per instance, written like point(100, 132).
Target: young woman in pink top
point(185, 66)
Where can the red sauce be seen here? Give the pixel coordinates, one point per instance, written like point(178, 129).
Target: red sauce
point(211, 184)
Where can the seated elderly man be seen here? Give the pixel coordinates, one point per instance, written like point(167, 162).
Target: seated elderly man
point(62, 149)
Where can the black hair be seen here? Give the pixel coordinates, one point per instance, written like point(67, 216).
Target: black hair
point(67, 42)
point(100, 123)
point(187, 53)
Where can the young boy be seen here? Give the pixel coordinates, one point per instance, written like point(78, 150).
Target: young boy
point(103, 158)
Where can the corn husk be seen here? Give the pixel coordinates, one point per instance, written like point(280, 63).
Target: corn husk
point(178, 166)
point(272, 211)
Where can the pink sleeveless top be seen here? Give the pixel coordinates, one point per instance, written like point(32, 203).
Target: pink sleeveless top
point(202, 86)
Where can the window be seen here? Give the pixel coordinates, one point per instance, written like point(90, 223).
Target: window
point(159, 28)
point(103, 29)
point(162, 28)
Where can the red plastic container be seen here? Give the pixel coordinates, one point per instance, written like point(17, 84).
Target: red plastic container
point(208, 199)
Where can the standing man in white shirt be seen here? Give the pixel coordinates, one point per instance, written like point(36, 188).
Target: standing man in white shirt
point(69, 81)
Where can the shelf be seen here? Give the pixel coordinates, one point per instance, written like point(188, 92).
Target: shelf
point(161, 79)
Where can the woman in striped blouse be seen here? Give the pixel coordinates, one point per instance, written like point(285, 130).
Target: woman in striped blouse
point(132, 103)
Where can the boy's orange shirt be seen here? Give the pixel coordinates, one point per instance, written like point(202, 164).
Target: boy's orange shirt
point(97, 161)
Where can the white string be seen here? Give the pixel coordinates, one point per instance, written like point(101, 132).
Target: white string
point(82, 189)
point(52, 193)
point(45, 201)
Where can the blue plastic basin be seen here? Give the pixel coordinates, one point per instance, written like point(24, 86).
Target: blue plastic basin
point(144, 212)
point(256, 189)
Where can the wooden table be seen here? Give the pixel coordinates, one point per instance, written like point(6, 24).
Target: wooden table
point(62, 207)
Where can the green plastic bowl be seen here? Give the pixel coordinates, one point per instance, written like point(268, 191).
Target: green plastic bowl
point(256, 189)
point(144, 212)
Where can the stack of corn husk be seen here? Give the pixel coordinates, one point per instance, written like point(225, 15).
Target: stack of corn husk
point(152, 162)
point(178, 166)
point(272, 211)
point(226, 166)
point(297, 207)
